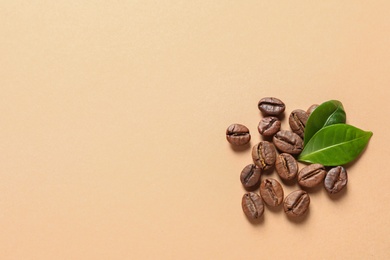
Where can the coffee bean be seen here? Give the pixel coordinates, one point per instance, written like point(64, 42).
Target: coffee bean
point(250, 177)
point(296, 203)
point(336, 179)
point(271, 106)
point(311, 175)
point(297, 121)
point(311, 109)
point(286, 166)
point(238, 134)
point(252, 205)
point(264, 155)
point(269, 125)
point(272, 192)
point(288, 142)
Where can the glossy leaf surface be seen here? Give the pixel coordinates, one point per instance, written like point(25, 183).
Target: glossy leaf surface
point(335, 144)
point(328, 113)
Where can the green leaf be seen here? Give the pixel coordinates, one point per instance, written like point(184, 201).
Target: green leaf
point(334, 145)
point(328, 113)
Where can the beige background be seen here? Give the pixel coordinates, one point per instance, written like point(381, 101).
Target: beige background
point(112, 121)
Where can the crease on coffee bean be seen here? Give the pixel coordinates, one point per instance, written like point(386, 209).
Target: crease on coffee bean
point(239, 134)
point(281, 138)
point(271, 191)
point(311, 174)
point(261, 158)
point(250, 174)
point(232, 131)
point(297, 204)
point(296, 146)
point(270, 124)
point(335, 180)
point(265, 103)
point(301, 125)
point(252, 205)
point(285, 164)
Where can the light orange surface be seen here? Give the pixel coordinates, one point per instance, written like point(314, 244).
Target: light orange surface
point(113, 118)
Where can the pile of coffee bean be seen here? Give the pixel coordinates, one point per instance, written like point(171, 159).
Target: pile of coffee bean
point(279, 150)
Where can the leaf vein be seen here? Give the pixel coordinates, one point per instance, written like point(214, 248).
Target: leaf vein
point(331, 146)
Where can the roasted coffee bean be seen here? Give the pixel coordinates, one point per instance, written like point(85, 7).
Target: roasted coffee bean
point(311, 109)
point(264, 155)
point(297, 121)
point(271, 106)
point(286, 166)
point(296, 203)
point(311, 175)
point(272, 192)
point(269, 125)
point(252, 205)
point(237, 134)
point(288, 142)
point(250, 177)
point(336, 179)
